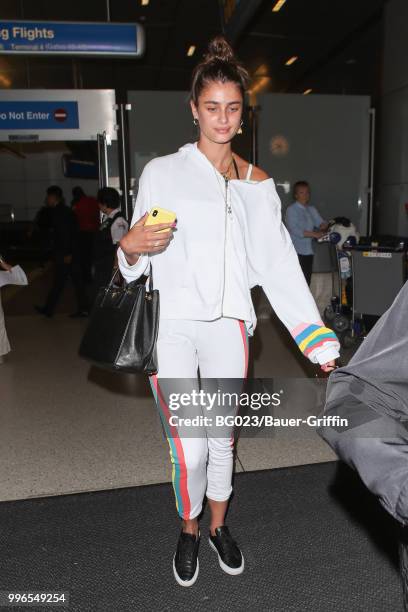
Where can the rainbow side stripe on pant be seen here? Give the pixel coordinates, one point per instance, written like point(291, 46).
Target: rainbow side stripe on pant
point(309, 336)
point(179, 470)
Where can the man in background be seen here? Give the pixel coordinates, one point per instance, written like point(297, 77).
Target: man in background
point(64, 230)
point(86, 210)
point(114, 226)
point(304, 224)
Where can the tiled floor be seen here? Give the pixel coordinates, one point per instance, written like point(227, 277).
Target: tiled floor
point(69, 427)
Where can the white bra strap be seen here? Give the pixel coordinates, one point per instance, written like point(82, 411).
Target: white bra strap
point(248, 175)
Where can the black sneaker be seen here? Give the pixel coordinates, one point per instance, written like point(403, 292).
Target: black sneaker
point(185, 561)
point(230, 558)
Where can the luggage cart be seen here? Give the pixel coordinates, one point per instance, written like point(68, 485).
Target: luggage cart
point(339, 313)
point(378, 274)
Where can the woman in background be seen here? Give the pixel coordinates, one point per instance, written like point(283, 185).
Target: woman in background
point(4, 341)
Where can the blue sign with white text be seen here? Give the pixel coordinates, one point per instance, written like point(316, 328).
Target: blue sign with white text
point(67, 38)
point(37, 115)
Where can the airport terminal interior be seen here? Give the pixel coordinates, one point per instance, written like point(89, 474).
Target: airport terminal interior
point(90, 93)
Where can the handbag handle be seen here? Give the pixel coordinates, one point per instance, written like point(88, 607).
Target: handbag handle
point(150, 278)
point(118, 270)
point(109, 285)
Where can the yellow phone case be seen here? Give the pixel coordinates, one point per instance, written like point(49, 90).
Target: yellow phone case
point(160, 215)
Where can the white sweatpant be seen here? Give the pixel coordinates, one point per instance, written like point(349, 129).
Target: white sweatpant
point(201, 465)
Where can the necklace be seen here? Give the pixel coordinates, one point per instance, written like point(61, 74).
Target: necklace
point(224, 192)
point(226, 195)
point(226, 173)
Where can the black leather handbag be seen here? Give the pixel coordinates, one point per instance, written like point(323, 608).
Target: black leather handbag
point(122, 330)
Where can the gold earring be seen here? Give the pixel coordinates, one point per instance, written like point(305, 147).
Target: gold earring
point(240, 128)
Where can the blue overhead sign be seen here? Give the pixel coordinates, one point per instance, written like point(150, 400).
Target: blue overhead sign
point(66, 38)
point(37, 115)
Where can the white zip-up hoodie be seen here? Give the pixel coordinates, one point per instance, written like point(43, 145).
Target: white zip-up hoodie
point(216, 256)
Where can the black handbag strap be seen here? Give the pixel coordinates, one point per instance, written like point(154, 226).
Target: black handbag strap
point(150, 278)
point(115, 272)
point(118, 270)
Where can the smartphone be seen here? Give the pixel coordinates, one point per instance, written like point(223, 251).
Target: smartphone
point(160, 215)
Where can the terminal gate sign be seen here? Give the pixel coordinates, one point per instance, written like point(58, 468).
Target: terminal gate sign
point(69, 38)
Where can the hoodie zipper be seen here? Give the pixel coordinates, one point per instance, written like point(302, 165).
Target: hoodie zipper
point(227, 211)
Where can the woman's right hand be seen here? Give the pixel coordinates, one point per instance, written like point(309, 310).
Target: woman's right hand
point(146, 239)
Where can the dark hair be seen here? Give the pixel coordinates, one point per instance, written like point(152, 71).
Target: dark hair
point(299, 184)
point(109, 197)
point(77, 192)
point(218, 64)
point(55, 191)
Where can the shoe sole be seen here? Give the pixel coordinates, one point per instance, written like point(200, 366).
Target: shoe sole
point(232, 571)
point(185, 583)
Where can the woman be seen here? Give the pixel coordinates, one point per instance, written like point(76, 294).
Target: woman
point(4, 341)
point(9, 275)
point(229, 238)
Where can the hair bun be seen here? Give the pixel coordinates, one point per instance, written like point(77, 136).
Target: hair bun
point(220, 49)
point(219, 64)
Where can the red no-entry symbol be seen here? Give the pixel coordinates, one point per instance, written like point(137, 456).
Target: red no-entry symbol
point(60, 114)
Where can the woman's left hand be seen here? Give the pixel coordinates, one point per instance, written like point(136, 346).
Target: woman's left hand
point(329, 366)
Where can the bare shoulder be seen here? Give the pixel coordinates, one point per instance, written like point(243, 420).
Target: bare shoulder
point(258, 174)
